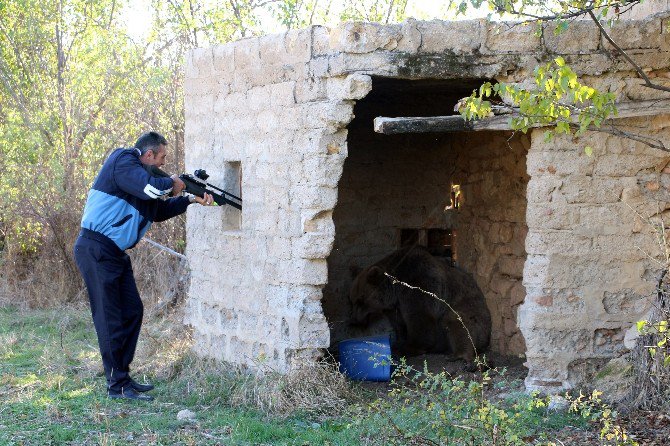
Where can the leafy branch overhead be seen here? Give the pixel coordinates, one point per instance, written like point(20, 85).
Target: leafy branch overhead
point(557, 97)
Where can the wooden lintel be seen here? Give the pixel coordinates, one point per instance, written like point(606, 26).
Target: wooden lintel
point(456, 123)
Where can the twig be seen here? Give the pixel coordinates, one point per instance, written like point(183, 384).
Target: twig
point(435, 296)
point(165, 248)
point(647, 82)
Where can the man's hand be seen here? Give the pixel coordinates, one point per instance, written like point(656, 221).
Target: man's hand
point(177, 185)
point(206, 200)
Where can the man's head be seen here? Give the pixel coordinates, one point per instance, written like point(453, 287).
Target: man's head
point(152, 147)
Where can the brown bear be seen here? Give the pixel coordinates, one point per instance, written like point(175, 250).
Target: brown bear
point(423, 324)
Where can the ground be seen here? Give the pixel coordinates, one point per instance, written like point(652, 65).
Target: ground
point(52, 392)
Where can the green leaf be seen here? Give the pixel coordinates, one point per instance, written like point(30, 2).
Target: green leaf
point(641, 325)
point(560, 61)
point(589, 152)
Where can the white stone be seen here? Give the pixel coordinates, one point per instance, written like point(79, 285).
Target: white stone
point(186, 415)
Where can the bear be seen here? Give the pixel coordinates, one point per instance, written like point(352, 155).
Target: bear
point(423, 324)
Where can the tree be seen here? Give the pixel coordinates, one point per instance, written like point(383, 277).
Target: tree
point(559, 98)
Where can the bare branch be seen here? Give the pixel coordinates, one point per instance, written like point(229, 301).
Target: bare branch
point(643, 75)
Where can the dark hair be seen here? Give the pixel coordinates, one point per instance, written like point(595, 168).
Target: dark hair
point(150, 141)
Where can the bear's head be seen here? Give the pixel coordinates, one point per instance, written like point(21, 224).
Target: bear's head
point(369, 295)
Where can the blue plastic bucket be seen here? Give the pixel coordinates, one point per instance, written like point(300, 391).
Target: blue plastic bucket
point(366, 359)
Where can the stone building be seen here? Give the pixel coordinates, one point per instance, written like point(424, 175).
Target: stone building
point(558, 240)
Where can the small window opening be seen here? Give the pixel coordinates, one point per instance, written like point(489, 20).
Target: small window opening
point(439, 241)
point(232, 182)
point(455, 197)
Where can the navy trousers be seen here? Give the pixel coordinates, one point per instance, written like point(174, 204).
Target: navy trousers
point(115, 303)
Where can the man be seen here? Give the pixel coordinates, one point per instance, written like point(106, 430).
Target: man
point(121, 205)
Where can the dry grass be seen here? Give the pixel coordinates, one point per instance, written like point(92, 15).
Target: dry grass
point(651, 389)
point(318, 389)
point(48, 275)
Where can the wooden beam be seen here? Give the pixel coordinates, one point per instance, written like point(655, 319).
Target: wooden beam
point(456, 123)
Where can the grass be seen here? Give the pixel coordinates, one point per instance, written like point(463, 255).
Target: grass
point(52, 393)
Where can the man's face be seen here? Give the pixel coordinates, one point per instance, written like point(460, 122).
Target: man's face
point(151, 158)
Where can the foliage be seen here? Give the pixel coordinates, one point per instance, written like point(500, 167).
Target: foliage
point(592, 408)
point(652, 350)
point(435, 408)
point(74, 84)
point(374, 11)
point(557, 98)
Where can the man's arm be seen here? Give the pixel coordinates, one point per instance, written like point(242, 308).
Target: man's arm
point(175, 206)
point(171, 208)
point(131, 177)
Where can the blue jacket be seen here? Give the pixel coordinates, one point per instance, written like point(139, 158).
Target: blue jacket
point(125, 200)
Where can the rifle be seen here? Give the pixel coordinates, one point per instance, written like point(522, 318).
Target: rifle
point(197, 185)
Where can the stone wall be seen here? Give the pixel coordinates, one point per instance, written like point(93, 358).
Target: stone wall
point(491, 228)
point(590, 272)
point(256, 106)
point(272, 114)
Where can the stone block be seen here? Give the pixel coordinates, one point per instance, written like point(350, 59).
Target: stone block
point(352, 87)
point(625, 302)
point(199, 63)
point(552, 342)
point(608, 341)
point(256, 99)
point(304, 272)
point(313, 246)
point(298, 46)
point(330, 116)
point(379, 63)
point(282, 94)
point(310, 90)
point(535, 271)
point(553, 215)
point(560, 163)
point(271, 49)
point(318, 67)
point(411, 38)
point(455, 37)
point(511, 38)
point(542, 188)
point(582, 36)
point(246, 54)
point(557, 242)
point(279, 247)
point(322, 170)
point(314, 331)
point(361, 37)
point(638, 34)
point(320, 41)
point(240, 349)
point(317, 220)
point(594, 190)
point(511, 266)
point(606, 219)
point(517, 294)
point(277, 296)
point(224, 62)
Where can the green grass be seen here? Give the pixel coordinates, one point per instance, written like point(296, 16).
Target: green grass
point(52, 392)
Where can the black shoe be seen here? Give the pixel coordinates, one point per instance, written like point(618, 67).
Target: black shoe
point(140, 387)
point(129, 393)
